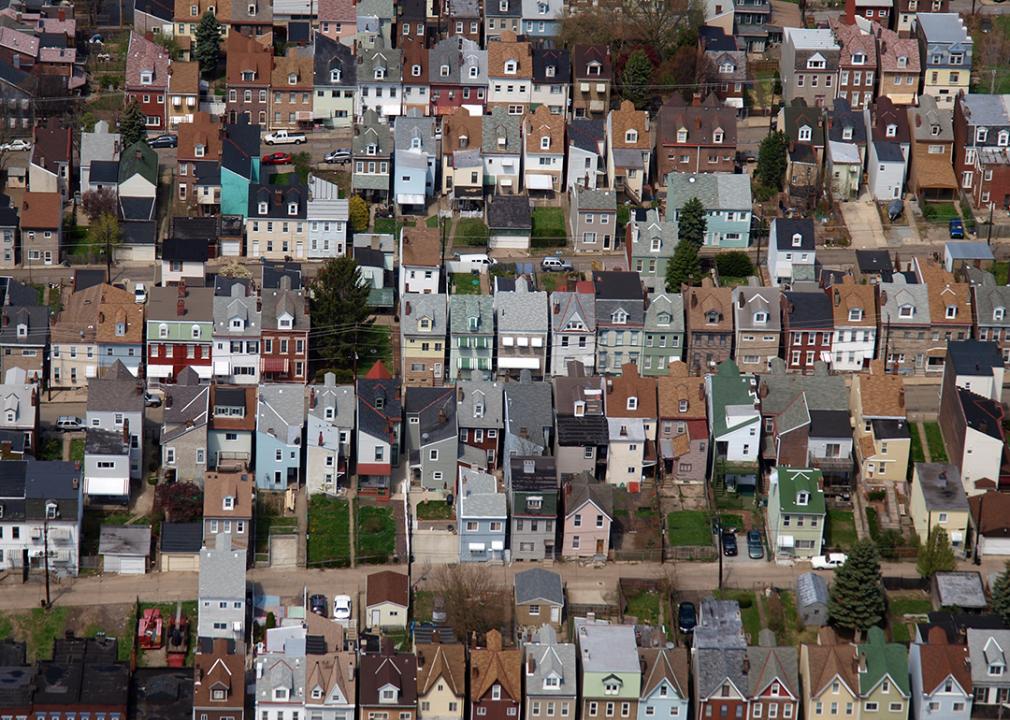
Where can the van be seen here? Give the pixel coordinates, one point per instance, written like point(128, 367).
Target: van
point(471, 263)
point(555, 264)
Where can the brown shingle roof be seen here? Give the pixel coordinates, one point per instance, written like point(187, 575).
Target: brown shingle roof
point(826, 662)
point(247, 55)
point(700, 121)
point(542, 123)
point(297, 62)
point(118, 307)
point(508, 48)
point(945, 292)
point(990, 513)
point(492, 665)
point(144, 55)
point(77, 320)
point(679, 385)
point(41, 210)
point(441, 660)
point(893, 47)
point(337, 11)
point(940, 659)
point(235, 423)
point(237, 485)
point(628, 118)
point(387, 586)
point(582, 55)
point(204, 130)
point(660, 664)
point(421, 247)
point(220, 669)
point(184, 77)
point(881, 394)
point(701, 300)
point(184, 10)
point(630, 384)
point(848, 295)
point(932, 171)
point(459, 123)
point(414, 54)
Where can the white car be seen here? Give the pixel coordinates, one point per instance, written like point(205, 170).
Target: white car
point(283, 137)
point(342, 609)
point(139, 294)
point(17, 145)
point(831, 561)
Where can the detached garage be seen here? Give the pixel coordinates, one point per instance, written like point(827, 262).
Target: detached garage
point(990, 523)
point(180, 547)
point(125, 548)
point(509, 222)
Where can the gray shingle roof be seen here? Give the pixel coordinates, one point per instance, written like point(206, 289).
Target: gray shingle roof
point(529, 405)
point(409, 127)
point(590, 199)
point(671, 304)
point(717, 191)
point(339, 397)
point(895, 295)
point(606, 648)
point(222, 571)
point(414, 306)
point(280, 411)
point(119, 390)
point(757, 299)
point(479, 496)
point(811, 589)
point(768, 664)
point(546, 656)
point(371, 132)
point(237, 306)
point(539, 584)
point(470, 393)
point(464, 307)
point(521, 310)
point(509, 212)
point(648, 227)
point(436, 411)
point(570, 305)
point(380, 56)
point(989, 296)
point(499, 124)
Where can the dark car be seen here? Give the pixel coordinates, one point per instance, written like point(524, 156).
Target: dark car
point(687, 617)
point(277, 158)
point(755, 548)
point(729, 548)
point(164, 141)
point(956, 229)
point(317, 604)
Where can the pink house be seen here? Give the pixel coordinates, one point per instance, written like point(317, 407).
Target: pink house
point(589, 512)
point(338, 20)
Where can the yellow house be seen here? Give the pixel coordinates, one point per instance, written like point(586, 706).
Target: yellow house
point(830, 683)
point(422, 339)
point(938, 500)
point(882, 668)
point(188, 14)
point(441, 680)
point(881, 429)
point(946, 63)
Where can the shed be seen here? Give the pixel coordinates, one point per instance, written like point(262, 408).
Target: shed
point(387, 598)
point(962, 590)
point(125, 548)
point(180, 547)
point(965, 253)
point(812, 599)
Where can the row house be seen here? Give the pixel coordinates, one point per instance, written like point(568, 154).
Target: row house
point(620, 319)
point(900, 63)
point(458, 75)
point(932, 176)
point(380, 81)
point(857, 63)
point(471, 337)
point(757, 321)
point(480, 417)
point(422, 339)
point(695, 138)
point(510, 74)
point(592, 80)
point(663, 333)
point(708, 326)
point(329, 429)
point(464, 20)
point(807, 329)
point(231, 428)
point(587, 155)
point(981, 137)
point(180, 326)
point(237, 333)
point(275, 220)
point(183, 92)
point(292, 88)
point(683, 426)
point(880, 425)
point(990, 302)
point(573, 329)
point(945, 51)
point(629, 149)
point(249, 72)
point(632, 414)
point(378, 430)
point(334, 78)
point(432, 436)
point(372, 156)
point(147, 79)
point(551, 80)
point(501, 17)
point(522, 324)
point(199, 142)
point(462, 171)
point(727, 65)
point(582, 438)
point(809, 66)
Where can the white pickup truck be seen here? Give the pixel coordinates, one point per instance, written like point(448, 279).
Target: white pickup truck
point(283, 137)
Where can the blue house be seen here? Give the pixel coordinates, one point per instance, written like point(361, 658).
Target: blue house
point(664, 683)
point(542, 18)
point(240, 166)
point(414, 160)
point(280, 422)
point(481, 517)
point(727, 201)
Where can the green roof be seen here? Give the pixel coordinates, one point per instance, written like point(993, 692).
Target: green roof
point(380, 297)
point(792, 482)
point(883, 659)
point(729, 387)
point(140, 159)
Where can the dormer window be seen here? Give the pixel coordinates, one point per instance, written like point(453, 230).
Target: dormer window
point(718, 136)
point(22, 330)
point(951, 312)
point(501, 141)
point(934, 130)
point(632, 403)
point(805, 133)
point(380, 73)
point(891, 130)
point(292, 79)
point(237, 324)
point(657, 243)
point(317, 693)
point(1003, 138)
point(200, 150)
point(847, 132)
point(478, 410)
point(551, 71)
point(855, 314)
point(415, 71)
point(252, 9)
point(415, 143)
point(956, 59)
point(52, 511)
point(815, 64)
point(682, 406)
point(902, 61)
point(726, 68)
point(981, 134)
point(712, 317)
point(682, 135)
point(905, 311)
point(329, 413)
point(542, 8)
point(248, 75)
point(473, 71)
point(545, 142)
point(510, 67)
point(262, 208)
point(284, 322)
point(552, 681)
point(443, 71)
point(463, 142)
point(496, 692)
point(631, 136)
point(228, 503)
point(120, 329)
point(998, 313)
point(146, 77)
point(335, 75)
point(292, 208)
point(424, 323)
point(797, 239)
point(760, 318)
point(194, 10)
point(503, 6)
point(580, 408)
point(371, 149)
point(858, 59)
point(619, 317)
point(593, 68)
point(803, 498)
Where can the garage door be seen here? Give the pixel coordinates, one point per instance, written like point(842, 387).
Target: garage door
point(995, 546)
point(132, 566)
point(180, 563)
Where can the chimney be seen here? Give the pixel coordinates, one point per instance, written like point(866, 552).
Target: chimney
point(180, 307)
point(35, 397)
point(312, 398)
point(182, 288)
point(278, 197)
point(61, 14)
point(126, 431)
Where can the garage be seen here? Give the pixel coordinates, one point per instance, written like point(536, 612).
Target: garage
point(179, 548)
point(125, 548)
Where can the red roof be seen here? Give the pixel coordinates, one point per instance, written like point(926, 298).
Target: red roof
point(379, 372)
point(146, 56)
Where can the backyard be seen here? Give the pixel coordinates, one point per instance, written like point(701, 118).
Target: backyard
point(898, 606)
point(376, 533)
point(329, 540)
point(749, 613)
point(269, 521)
point(688, 527)
point(465, 284)
point(841, 530)
point(470, 232)
point(934, 441)
point(549, 227)
point(77, 450)
point(917, 455)
point(434, 510)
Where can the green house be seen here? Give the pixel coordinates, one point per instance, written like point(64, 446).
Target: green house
point(796, 512)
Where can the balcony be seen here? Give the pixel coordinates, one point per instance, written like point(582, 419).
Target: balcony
point(597, 106)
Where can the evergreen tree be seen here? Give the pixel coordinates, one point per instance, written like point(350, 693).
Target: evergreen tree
point(1001, 594)
point(635, 79)
point(684, 268)
point(691, 225)
point(132, 128)
point(358, 213)
point(208, 43)
point(857, 596)
point(340, 298)
point(771, 164)
point(936, 555)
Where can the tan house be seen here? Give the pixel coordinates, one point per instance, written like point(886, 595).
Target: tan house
point(629, 149)
point(854, 311)
point(509, 74)
point(938, 499)
point(539, 598)
point(183, 92)
point(228, 500)
point(387, 600)
point(683, 426)
point(900, 67)
point(592, 76)
point(96, 317)
point(462, 165)
point(757, 315)
point(829, 678)
point(949, 311)
point(881, 433)
point(441, 680)
point(292, 89)
point(709, 326)
point(544, 150)
point(589, 513)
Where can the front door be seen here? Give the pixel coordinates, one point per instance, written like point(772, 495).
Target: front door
point(375, 619)
point(599, 547)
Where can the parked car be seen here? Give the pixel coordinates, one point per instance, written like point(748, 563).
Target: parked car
point(283, 137)
point(317, 604)
point(755, 547)
point(164, 141)
point(69, 423)
point(277, 158)
point(17, 145)
point(729, 548)
point(956, 229)
point(552, 263)
point(829, 561)
point(140, 293)
point(687, 617)
point(151, 400)
point(340, 155)
point(342, 609)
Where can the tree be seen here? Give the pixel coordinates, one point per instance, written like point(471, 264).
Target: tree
point(684, 268)
point(100, 202)
point(771, 164)
point(472, 597)
point(589, 26)
point(734, 263)
point(857, 598)
point(656, 24)
point(105, 235)
point(635, 79)
point(341, 297)
point(132, 125)
point(936, 555)
point(208, 43)
point(1001, 593)
point(358, 211)
point(180, 501)
point(691, 225)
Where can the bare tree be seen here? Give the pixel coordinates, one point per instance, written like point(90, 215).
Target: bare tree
point(656, 23)
point(100, 202)
point(475, 601)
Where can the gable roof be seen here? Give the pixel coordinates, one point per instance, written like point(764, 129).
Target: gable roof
point(493, 664)
point(538, 584)
point(446, 661)
point(773, 664)
point(883, 660)
point(664, 664)
point(387, 586)
point(700, 121)
point(142, 56)
point(139, 159)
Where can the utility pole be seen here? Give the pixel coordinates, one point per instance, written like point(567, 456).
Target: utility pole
point(887, 341)
point(108, 259)
point(992, 81)
point(45, 549)
point(988, 240)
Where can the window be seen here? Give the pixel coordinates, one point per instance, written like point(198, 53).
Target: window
point(805, 133)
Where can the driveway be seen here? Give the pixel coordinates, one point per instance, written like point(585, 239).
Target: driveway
point(436, 547)
point(863, 224)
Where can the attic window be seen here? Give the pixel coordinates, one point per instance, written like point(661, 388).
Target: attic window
point(328, 413)
point(631, 136)
point(712, 317)
point(815, 64)
point(248, 75)
point(501, 142)
point(194, 10)
point(682, 135)
point(503, 6)
point(847, 132)
point(902, 61)
point(580, 408)
point(551, 71)
point(905, 311)
point(415, 143)
point(981, 134)
point(797, 239)
point(593, 68)
point(1003, 138)
point(760, 318)
point(463, 141)
point(726, 68)
point(891, 130)
point(292, 79)
point(380, 73)
point(632, 403)
point(934, 130)
point(22, 330)
point(252, 9)
point(855, 314)
point(858, 59)
point(280, 693)
point(443, 70)
point(415, 71)
point(717, 136)
point(229, 502)
point(998, 313)
point(951, 312)
point(542, 8)
point(496, 692)
point(619, 318)
point(52, 511)
point(200, 150)
point(803, 498)
point(473, 71)
point(317, 693)
point(510, 67)
point(237, 324)
point(545, 142)
point(262, 208)
point(146, 77)
point(805, 133)
point(335, 75)
point(682, 406)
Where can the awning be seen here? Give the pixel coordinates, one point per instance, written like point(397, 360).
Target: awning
point(497, 545)
point(476, 547)
point(117, 487)
point(91, 371)
point(222, 367)
point(506, 182)
point(539, 182)
point(410, 199)
point(787, 541)
point(519, 363)
point(666, 447)
point(956, 536)
point(159, 371)
point(271, 364)
point(204, 372)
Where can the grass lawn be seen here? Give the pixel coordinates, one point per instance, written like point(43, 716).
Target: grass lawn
point(731, 281)
point(465, 284)
point(431, 222)
point(376, 534)
point(934, 439)
point(748, 610)
point(424, 601)
point(39, 628)
point(873, 523)
point(731, 520)
point(841, 532)
point(267, 521)
point(549, 227)
point(387, 226)
point(898, 607)
point(77, 450)
point(688, 527)
point(645, 512)
point(470, 232)
point(645, 607)
point(1001, 271)
point(52, 449)
point(434, 510)
point(916, 447)
point(940, 212)
point(329, 541)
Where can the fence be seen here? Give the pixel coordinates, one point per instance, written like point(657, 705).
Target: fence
point(690, 553)
point(642, 555)
point(906, 583)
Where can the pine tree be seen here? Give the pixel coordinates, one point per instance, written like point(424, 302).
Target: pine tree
point(340, 297)
point(1001, 594)
point(132, 127)
point(771, 164)
point(936, 555)
point(358, 213)
point(208, 43)
point(691, 225)
point(684, 268)
point(635, 79)
point(857, 597)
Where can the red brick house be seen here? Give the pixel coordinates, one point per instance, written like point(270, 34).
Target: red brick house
point(857, 65)
point(480, 420)
point(807, 329)
point(495, 680)
point(219, 680)
point(696, 137)
point(250, 65)
point(981, 138)
point(387, 684)
point(285, 335)
point(147, 76)
point(84, 678)
point(876, 10)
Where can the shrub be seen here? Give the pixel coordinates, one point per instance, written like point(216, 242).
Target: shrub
point(876, 496)
point(734, 264)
